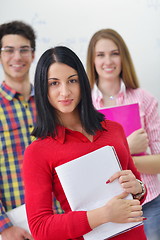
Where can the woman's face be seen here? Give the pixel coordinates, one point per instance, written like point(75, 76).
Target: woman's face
point(63, 88)
point(107, 60)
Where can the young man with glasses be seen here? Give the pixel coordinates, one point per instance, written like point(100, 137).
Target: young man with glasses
point(17, 118)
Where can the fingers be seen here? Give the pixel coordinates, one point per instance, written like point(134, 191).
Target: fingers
point(127, 180)
point(136, 214)
point(135, 219)
point(113, 177)
point(142, 134)
point(129, 185)
point(140, 130)
point(123, 210)
point(119, 174)
point(28, 236)
point(136, 211)
point(130, 177)
point(122, 195)
point(135, 202)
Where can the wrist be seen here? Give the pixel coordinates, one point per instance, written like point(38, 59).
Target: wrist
point(96, 217)
point(142, 193)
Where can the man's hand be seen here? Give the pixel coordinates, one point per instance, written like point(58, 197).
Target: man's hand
point(15, 233)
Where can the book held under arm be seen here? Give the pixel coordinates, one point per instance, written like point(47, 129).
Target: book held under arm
point(18, 217)
point(84, 183)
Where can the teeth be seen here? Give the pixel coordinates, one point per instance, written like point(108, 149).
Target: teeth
point(108, 69)
point(16, 65)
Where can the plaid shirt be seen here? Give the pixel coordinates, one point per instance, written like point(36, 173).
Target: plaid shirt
point(17, 118)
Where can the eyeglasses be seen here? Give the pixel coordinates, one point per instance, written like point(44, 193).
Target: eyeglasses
point(10, 51)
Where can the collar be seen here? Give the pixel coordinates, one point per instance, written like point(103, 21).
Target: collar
point(62, 131)
point(10, 93)
point(60, 136)
point(97, 94)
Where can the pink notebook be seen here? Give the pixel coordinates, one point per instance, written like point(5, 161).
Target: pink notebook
point(127, 115)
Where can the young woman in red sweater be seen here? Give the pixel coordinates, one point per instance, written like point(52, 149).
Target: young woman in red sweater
point(68, 126)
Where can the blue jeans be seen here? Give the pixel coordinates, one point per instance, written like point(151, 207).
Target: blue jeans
point(151, 211)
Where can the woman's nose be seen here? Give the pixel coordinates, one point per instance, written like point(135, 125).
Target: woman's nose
point(64, 90)
point(107, 59)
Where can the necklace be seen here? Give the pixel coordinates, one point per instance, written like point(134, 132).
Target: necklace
point(109, 101)
point(111, 97)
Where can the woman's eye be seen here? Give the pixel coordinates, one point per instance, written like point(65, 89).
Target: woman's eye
point(73, 80)
point(115, 53)
point(100, 55)
point(53, 83)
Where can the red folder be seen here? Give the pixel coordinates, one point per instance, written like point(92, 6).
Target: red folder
point(127, 115)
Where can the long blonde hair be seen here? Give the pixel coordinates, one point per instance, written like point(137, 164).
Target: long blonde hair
point(128, 73)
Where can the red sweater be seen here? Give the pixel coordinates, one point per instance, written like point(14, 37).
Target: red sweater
point(41, 181)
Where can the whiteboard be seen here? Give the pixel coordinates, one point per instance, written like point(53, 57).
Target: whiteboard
point(73, 22)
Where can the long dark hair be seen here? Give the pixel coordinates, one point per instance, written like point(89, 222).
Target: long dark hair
point(47, 119)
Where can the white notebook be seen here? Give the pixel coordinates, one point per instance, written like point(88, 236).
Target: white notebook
point(18, 217)
point(84, 183)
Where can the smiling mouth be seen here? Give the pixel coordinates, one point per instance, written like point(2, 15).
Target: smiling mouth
point(17, 65)
point(109, 69)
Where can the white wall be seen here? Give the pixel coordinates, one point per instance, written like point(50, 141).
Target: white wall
point(73, 22)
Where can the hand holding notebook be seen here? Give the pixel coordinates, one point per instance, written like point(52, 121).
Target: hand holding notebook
point(90, 191)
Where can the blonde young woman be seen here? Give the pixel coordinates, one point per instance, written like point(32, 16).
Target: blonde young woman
point(114, 82)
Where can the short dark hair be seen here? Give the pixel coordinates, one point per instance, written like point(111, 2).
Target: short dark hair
point(19, 28)
point(47, 119)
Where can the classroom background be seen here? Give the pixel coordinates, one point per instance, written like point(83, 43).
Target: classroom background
point(73, 22)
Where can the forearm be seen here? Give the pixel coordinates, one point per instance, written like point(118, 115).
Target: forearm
point(149, 164)
point(96, 217)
